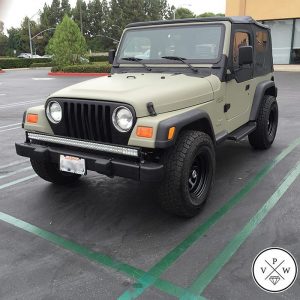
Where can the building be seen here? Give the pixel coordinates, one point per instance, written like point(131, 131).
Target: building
point(282, 16)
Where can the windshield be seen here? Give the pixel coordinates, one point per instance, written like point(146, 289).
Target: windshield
point(196, 43)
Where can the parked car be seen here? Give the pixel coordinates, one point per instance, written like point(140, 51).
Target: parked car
point(24, 55)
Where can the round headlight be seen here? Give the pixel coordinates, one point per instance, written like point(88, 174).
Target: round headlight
point(122, 119)
point(54, 112)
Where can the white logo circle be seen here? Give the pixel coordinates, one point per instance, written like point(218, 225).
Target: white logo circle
point(274, 270)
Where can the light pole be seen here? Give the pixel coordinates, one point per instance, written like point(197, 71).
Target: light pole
point(29, 32)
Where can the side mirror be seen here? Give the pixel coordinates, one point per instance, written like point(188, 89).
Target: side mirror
point(111, 56)
point(245, 55)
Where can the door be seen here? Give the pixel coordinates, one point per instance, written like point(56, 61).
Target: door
point(240, 89)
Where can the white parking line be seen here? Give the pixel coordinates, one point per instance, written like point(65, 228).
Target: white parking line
point(15, 163)
point(15, 172)
point(8, 129)
point(43, 78)
point(3, 186)
point(2, 94)
point(20, 103)
point(11, 125)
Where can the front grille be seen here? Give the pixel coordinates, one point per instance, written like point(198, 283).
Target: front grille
point(88, 121)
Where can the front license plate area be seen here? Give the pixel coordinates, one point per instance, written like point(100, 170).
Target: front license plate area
point(72, 164)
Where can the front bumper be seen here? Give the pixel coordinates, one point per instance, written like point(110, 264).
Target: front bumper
point(97, 161)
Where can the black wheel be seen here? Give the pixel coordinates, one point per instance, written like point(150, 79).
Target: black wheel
point(50, 172)
point(189, 174)
point(267, 122)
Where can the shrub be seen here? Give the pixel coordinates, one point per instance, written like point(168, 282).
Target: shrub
point(41, 65)
point(101, 58)
point(11, 63)
point(101, 68)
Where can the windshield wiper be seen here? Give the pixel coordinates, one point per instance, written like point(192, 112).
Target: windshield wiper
point(139, 60)
point(183, 60)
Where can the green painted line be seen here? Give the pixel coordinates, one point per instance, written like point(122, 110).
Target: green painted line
point(211, 271)
point(97, 257)
point(160, 267)
point(15, 172)
point(3, 186)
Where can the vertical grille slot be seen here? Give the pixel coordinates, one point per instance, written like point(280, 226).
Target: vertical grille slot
point(88, 121)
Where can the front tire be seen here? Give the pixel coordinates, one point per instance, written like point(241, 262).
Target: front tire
point(189, 174)
point(50, 172)
point(263, 136)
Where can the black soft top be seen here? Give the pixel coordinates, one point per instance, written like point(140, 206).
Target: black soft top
point(233, 20)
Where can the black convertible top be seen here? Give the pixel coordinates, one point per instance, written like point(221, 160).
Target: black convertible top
point(234, 20)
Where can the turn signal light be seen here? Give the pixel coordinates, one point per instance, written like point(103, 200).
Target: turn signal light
point(32, 118)
point(171, 133)
point(145, 132)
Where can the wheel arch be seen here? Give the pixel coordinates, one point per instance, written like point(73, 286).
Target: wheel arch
point(194, 120)
point(263, 88)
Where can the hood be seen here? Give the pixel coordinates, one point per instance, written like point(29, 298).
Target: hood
point(168, 92)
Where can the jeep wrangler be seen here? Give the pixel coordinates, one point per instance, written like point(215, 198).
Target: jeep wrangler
point(176, 90)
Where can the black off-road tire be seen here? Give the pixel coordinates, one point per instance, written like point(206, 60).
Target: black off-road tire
point(267, 121)
point(194, 151)
point(50, 172)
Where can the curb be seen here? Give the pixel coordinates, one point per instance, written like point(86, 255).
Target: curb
point(77, 74)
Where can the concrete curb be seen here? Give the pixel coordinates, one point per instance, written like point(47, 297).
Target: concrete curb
point(287, 68)
point(77, 74)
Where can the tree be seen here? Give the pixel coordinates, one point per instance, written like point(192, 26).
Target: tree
point(80, 16)
point(210, 14)
point(184, 13)
point(1, 27)
point(3, 40)
point(67, 44)
point(65, 8)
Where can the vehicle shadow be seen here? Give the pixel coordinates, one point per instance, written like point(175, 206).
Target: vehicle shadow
point(121, 218)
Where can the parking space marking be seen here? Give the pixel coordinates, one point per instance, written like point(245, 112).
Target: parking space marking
point(11, 125)
point(15, 172)
point(20, 103)
point(91, 255)
point(210, 272)
point(43, 78)
point(2, 94)
point(160, 267)
point(15, 163)
point(3, 186)
point(9, 129)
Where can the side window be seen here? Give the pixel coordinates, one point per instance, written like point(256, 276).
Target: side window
point(240, 39)
point(261, 41)
point(262, 64)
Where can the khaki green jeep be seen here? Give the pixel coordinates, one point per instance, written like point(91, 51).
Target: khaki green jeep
point(176, 90)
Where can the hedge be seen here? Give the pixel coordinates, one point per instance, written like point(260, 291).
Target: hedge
point(103, 68)
point(101, 58)
point(40, 65)
point(11, 63)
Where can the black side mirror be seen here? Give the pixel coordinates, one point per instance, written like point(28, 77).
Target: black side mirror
point(111, 56)
point(245, 55)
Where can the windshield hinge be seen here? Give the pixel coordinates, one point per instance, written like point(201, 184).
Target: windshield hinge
point(151, 110)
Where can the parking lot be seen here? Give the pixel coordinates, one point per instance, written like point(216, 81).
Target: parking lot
point(107, 238)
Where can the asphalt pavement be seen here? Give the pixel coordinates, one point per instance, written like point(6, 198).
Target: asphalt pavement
point(108, 239)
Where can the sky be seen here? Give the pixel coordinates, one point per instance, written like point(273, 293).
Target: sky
point(13, 11)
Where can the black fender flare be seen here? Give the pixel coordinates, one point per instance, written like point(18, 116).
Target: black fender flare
point(195, 116)
point(263, 88)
